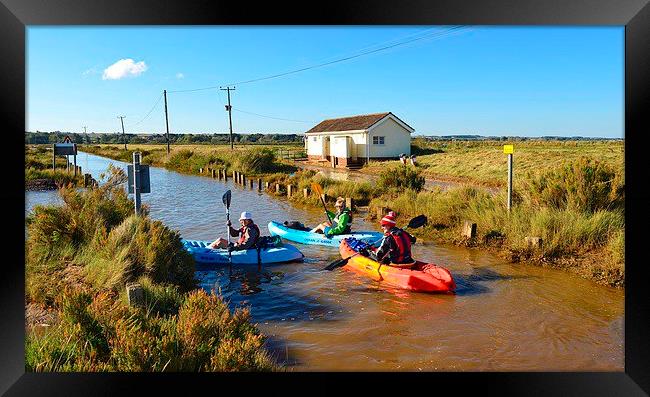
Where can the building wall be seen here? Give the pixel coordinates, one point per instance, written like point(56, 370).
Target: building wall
point(397, 140)
point(315, 148)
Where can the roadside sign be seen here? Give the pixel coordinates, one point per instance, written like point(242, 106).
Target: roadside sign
point(144, 178)
point(65, 149)
point(508, 149)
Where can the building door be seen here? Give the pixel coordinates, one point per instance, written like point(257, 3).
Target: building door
point(326, 147)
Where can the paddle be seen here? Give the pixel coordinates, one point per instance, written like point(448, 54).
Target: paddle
point(319, 190)
point(226, 202)
point(414, 223)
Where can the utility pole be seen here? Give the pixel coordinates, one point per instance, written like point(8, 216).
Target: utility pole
point(229, 109)
point(166, 120)
point(123, 134)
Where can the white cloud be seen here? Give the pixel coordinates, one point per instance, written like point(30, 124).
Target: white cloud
point(124, 68)
point(180, 75)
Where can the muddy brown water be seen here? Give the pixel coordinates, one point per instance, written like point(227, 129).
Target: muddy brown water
point(504, 317)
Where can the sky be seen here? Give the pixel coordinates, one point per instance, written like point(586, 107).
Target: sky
point(470, 80)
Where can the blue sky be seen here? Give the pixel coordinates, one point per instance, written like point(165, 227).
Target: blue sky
point(526, 81)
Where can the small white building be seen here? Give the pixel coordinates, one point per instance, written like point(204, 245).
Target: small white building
point(353, 141)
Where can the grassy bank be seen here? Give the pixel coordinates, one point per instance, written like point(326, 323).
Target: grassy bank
point(80, 256)
point(189, 159)
point(38, 169)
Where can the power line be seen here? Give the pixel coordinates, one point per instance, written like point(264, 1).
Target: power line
point(271, 117)
point(148, 114)
point(437, 34)
point(440, 34)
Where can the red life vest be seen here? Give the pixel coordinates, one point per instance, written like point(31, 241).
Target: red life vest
point(403, 243)
point(242, 233)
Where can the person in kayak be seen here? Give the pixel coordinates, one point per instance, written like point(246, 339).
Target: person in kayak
point(395, 247)
point(248, 234)
point(340, 220)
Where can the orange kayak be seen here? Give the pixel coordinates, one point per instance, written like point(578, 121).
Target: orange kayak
point(421, 277)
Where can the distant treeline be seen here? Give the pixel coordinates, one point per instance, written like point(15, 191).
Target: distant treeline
point(58, 136)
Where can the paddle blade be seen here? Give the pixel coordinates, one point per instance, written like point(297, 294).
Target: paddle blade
point(416, 222)
point(226, 199)
point(317, 188)
point(335, 264)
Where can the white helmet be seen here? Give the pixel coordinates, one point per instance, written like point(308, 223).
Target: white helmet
point(246, 215)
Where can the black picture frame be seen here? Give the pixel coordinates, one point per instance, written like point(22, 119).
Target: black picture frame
point(15, 15)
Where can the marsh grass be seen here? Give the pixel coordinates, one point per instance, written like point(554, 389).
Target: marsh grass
point(483, 162)
point(100, 333)
point(79, 257)
point(189, 159)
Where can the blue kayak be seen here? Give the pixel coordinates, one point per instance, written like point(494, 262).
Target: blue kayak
point(203, 254)
point(306, 237)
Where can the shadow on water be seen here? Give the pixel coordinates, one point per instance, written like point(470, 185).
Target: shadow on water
point(470, 284)
point(267, 293)
point(278, 349)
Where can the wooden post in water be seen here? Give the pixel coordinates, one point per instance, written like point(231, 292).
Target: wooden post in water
point(289, 190)
point(469, 229)
point(243, 180)
point(234, 176)
point(87, 180)
point(277, 188)
point(213, 173)
point(348, 202)
point(267, 184)
point(259, 183)
point(250, 183)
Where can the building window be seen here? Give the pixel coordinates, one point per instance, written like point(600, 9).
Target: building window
point(314, 139)
point(377, 140)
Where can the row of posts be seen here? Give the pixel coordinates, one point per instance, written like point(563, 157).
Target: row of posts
point(89, 181)
point(243, 180)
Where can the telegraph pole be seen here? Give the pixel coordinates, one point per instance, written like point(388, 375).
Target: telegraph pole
point(123, 135)
point(166, 120)
point(229, 109)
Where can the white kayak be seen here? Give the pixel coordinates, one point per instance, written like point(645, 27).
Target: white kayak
point(306, 237)
point(203, 254)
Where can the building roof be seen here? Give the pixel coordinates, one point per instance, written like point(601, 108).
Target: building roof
point(361, 122)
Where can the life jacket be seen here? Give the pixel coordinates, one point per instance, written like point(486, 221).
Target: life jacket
point(403, 243)
point(242, 233)
point(347, 229)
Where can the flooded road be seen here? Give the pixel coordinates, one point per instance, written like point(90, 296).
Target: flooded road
point(504, 317)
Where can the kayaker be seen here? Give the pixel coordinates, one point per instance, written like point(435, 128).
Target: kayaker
point(248, 234)
point(340, 220)
point(395, 247)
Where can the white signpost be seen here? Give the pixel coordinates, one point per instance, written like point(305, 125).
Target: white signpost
point(138, 180)
point(509, 150)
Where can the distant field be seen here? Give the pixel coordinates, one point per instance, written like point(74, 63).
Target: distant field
point(483, 162)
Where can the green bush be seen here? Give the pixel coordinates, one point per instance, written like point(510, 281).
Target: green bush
point(255, 161)
point(138, 246)
point(583, 185)
point(400, 177)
